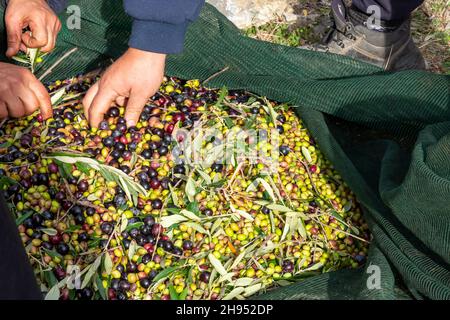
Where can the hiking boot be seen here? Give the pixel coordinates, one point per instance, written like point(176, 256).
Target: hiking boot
point(388, 45)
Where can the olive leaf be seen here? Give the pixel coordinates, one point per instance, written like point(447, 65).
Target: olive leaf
point(91, 271)
point(241, 213)
point(131, 188)
point(132, 249)
point(100, 288)
point(53, 294)
point(168, 221)
point(49, 231)
point(249, 291)
point(123, 223)
point(190, 189)
point(243, 282)
point(278, 207)
point(217, 264)
point(306, 154)
point(164, 274)
point(108, 264)
point(190, 215)
point(205, 176)
point(57, 96)
point(196, 227)
point(234, 293)
point(173, 195)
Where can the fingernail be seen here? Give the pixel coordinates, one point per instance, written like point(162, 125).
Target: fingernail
point(131, 123)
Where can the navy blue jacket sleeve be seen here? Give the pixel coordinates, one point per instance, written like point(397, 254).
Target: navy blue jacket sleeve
point(160, 25)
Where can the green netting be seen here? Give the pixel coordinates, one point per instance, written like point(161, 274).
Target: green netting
point(387, 133)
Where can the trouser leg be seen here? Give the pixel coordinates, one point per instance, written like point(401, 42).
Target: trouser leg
point(391, 10)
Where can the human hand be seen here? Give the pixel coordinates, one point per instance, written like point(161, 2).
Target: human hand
point(130, 82)
point(21, 93)
point(43, 23)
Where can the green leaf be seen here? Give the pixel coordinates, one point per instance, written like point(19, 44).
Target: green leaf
point(53, 293)
point(135, 225)
point(49, 231)
point(228, 122)
point(57, 96)
point(217, 265)
point(173, 210)
point(193, 207)
point(222, 95)
point(91, 271)
point(21, 60)
point(132, 249)
point(164, 274)
point(306, 154)
point(190, 189)
point(173, 293)
point(100, 287)
point(23, 217)
point(50, 278)
point(184, 294)
point(82, 167)
point(108, 264)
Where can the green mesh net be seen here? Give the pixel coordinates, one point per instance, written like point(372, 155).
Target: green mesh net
point(387, 133)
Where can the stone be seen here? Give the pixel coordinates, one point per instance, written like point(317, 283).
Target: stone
point(247, 13)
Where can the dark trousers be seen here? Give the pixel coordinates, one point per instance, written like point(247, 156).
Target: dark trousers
point(391, 10)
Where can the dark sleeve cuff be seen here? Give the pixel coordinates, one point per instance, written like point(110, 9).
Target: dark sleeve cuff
point(157, 36)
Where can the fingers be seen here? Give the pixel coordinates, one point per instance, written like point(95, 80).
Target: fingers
point(43, 98)
point(88, 98)
point(38, 37)
point(28, 98)
point(121, 101)
point(52, 32)
point(100, 105)
point(135, 104)
point(13, 32)
point(3, 110)
point(14, 105)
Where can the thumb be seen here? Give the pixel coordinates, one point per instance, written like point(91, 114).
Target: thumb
point(135, 104)
point(14, 40)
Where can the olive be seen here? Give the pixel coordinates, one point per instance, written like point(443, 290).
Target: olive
point(147, 154)
point(284, 150)
point(155, 183)
point(90, 211)
point(188, 245)
point(108, 141)
point(207, 212)
point(265, 210)
point(62, 249)
point(145, 283)
point(120, 200)
point(83, 237)
point(217, 167)
point(163, 150)
point(107, 228)
point(113, 112)
point(204, 276)
point(149, 221)
point(179, 169)
point(157, 229)
point(83, 185)
point(157, 204)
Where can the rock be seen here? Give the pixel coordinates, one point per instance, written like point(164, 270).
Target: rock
point(247, 13)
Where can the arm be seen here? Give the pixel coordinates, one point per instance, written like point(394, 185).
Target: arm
point(159, 28)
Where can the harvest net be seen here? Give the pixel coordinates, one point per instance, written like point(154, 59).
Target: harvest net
point(386, 133)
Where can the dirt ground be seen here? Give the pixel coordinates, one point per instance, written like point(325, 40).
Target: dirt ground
point(308, 21)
